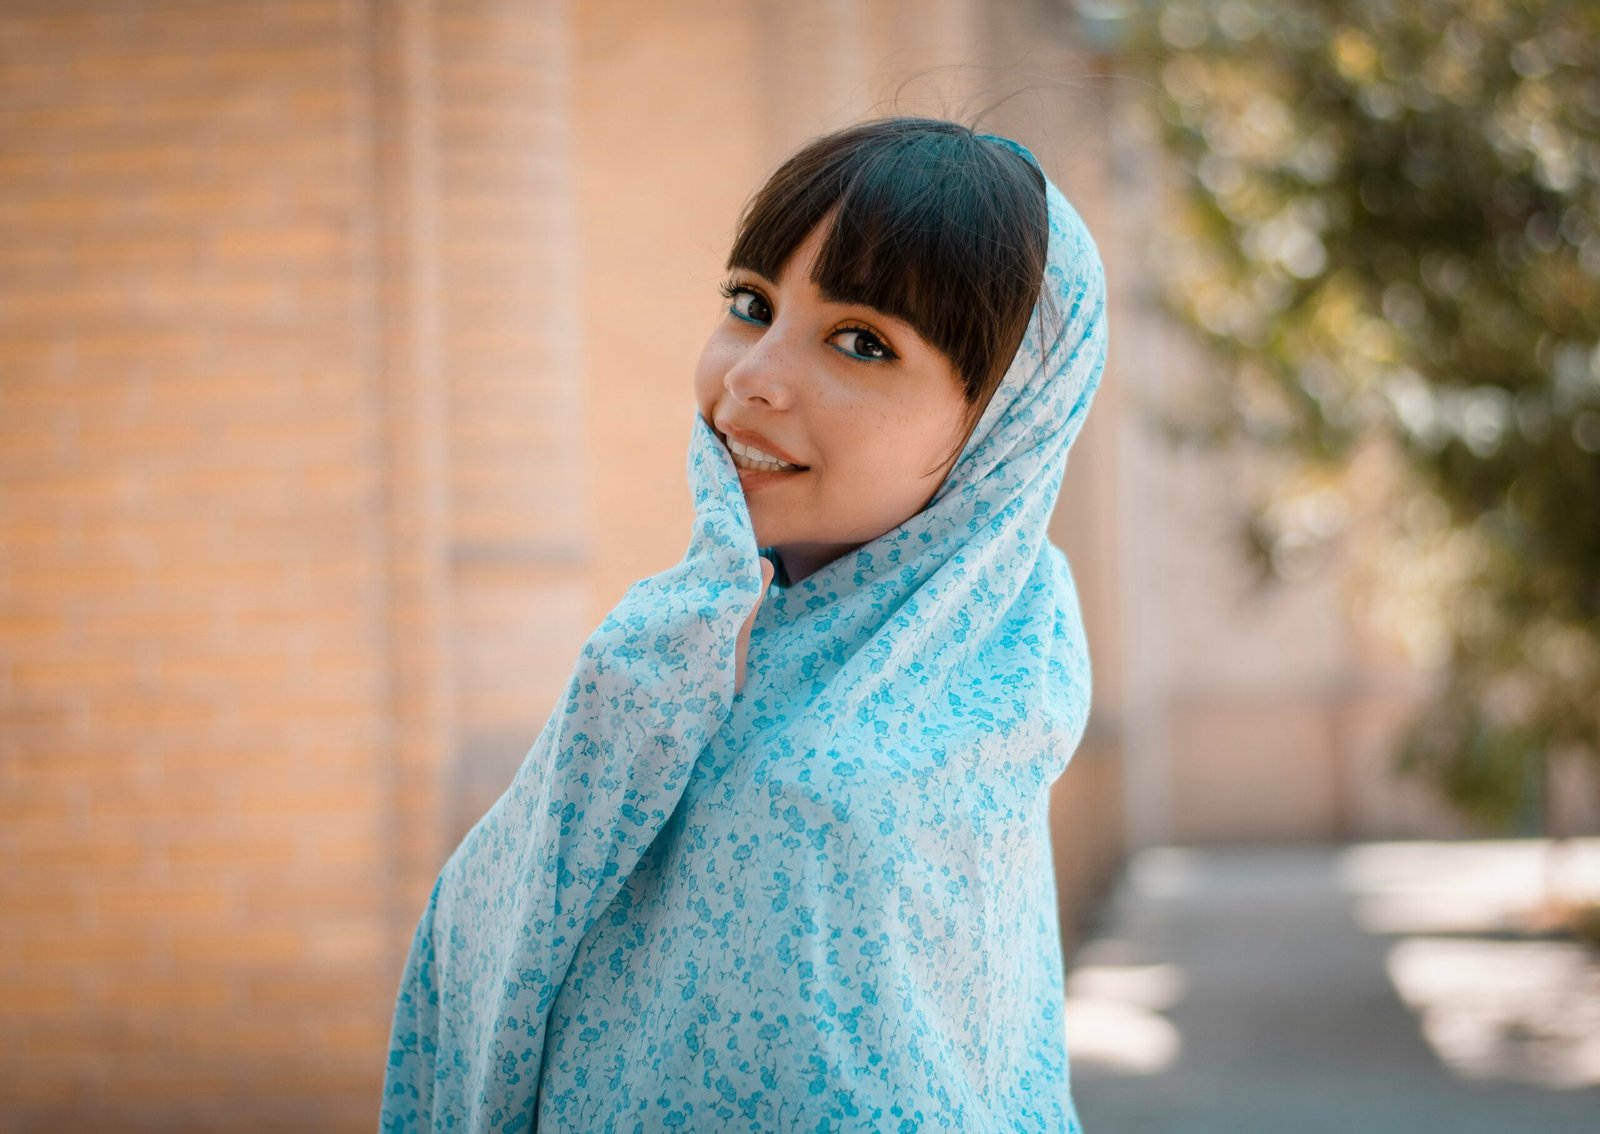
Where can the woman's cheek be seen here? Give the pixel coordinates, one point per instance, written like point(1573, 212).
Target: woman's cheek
point(715, 358)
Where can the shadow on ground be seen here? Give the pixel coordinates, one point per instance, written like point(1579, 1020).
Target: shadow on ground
point(1375, 987)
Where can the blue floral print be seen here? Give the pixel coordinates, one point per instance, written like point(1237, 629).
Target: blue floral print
point(826, 902)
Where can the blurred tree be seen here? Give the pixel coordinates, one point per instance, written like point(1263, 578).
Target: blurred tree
point(1387, 228)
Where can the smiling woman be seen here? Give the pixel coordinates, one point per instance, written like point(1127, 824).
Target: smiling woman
point(817, 379)
point(881, 282)
point(780, 859)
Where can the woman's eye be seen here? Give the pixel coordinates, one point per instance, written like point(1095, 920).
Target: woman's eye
point(749, 306)
point(866, 344)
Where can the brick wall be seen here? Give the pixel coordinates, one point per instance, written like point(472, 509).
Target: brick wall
point(191, 595)
point(290, 517)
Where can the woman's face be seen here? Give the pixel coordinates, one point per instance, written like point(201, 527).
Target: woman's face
point(867, 407)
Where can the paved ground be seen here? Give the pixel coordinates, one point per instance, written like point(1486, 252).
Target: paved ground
point(1374, 988)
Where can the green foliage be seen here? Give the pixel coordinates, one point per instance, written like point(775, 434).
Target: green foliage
point(1389, 233)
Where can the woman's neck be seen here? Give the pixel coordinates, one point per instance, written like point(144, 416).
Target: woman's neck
point(796, 561)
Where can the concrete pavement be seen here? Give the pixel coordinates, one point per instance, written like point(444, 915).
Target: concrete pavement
point(1382, 988)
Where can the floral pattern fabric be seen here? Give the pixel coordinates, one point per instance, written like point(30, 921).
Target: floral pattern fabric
point(826, 902)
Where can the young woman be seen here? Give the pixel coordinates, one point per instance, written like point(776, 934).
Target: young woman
point(780, 858)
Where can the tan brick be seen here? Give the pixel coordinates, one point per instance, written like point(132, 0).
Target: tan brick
point(261, 943)
point(163, 904)
point(27, 908)
point(137, 715)
point(30, 631)
point(67, 855)
point(177, 1081)
point(235, 297)
point(37, 995)
point(307, 798)
point(201, 1031)
point(143, 165)
point(31, 357)
point(81, 673)
point(266, 854)
point(218, 670)
point(354, 941)
point(366, 1033)
point(349, 850)
point(150, 993)
point(24, 267)
point(316, 987)
point(154, 347)
point(51, 30)
point(281, 22)
point(50, 949)
point(74, 762)
point(329, 1075)
point(277, 247)
point(179, 632)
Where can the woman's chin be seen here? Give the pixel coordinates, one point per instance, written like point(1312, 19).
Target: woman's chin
point(768, 522)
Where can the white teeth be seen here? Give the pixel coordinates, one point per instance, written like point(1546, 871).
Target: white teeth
point(749, 457)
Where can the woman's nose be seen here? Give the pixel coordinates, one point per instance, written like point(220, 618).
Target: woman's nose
point(763, 372)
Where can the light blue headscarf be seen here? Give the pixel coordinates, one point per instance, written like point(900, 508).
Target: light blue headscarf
point(826, 902)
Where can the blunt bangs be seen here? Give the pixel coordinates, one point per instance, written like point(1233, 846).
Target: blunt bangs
point(926, 222)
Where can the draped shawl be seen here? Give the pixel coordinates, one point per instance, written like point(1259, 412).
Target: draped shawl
point(826, 902)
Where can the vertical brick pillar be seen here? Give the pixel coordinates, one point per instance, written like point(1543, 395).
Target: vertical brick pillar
point(509, 290)
point(407, 354)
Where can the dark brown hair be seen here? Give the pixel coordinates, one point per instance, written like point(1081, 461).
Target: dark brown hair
point(934, 225)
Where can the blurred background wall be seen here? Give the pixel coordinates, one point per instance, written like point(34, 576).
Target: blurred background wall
point(345, 383)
